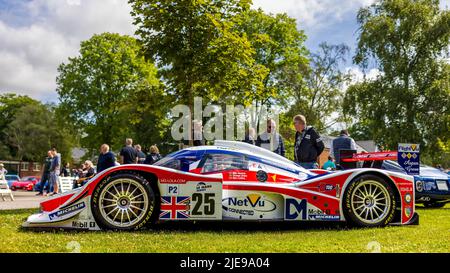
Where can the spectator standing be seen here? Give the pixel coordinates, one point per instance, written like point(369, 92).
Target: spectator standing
point(44, 184)
point(140, 154)
point(153, 156)
point(106, 159)
point(271, 139)
point(66, 170)
point(250, 136)
point(308, 144)
point(343, 142)
point(55, 170)
point(3, 172)
point(128, 155)
point(329, 165)
point(198, 133)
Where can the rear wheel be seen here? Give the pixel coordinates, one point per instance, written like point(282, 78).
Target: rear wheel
point(369, 201)
point(123, 202)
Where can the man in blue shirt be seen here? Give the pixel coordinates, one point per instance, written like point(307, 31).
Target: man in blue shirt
point(55, 169)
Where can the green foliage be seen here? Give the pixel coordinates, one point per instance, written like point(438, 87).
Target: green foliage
point(109, 91)
point(319, 96)
point(29, 129)
point(410, 100)
point(196, 48)
point(279, 47)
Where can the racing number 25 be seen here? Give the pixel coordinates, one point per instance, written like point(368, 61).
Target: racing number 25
point(204, 204)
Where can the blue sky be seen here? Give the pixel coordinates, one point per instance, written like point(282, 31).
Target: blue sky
point(37, 35)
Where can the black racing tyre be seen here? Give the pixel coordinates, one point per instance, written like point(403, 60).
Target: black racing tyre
point(433, 204)
point(369, 201)
point(123, 201)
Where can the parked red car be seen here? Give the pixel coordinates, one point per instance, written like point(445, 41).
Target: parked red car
point(25, 183)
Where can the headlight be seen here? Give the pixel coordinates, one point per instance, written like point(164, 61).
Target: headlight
point(419, 186)
point(408, 198)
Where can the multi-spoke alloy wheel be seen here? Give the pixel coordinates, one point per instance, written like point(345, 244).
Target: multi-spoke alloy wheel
point(369, 201)
point(124, 201)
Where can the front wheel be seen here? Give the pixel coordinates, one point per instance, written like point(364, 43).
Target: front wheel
point(123, 202)
point(369, 201)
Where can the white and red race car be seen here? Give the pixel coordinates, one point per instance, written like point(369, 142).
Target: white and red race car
point(229, 181)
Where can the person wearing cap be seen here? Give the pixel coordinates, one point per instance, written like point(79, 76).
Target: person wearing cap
point(343, 142)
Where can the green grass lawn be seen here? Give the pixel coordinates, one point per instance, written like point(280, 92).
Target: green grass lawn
point(432, 235)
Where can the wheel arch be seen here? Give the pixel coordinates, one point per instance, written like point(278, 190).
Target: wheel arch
point(356, 175)
point(149, 176)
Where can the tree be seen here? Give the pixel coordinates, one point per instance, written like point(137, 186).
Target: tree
point(196, 48)
point(319, 96)
point(34, 130)
point(10, 105)
point(279, 47)
point(106, 90)
point(410, 100)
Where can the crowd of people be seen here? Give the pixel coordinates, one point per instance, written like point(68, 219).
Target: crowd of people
point(308, 144)
point(129, 154)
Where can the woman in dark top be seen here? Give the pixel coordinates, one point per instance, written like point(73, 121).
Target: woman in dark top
point(153, 156)
point(106, 159)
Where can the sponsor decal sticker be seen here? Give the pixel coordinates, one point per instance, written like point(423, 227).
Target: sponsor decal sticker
point(67, 210)
point(202, 186)
point(172, 189)
point(174, 207)
point(296, 209)
point(261, 176)
point(326, 187)
point(324, 217)
point(172, 181)
point(248, 205)
point(409, 158)
point(407, 212)
point(83, 224)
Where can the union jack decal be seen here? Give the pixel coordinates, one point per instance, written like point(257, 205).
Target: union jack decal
point(174, 207)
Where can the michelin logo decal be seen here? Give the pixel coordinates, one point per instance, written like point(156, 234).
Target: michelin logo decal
point(67, 210)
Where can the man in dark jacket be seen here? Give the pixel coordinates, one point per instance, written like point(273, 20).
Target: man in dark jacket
point(343, 142)
point(106, 159)
point(308, 144)
point(46, 174)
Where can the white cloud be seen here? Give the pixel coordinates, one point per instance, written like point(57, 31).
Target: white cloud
point(357, 75)
point(31, 52)
point(313, 14)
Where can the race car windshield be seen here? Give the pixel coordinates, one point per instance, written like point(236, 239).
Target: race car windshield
point(222, 162)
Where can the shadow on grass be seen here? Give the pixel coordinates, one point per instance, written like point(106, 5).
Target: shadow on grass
point(218, 227)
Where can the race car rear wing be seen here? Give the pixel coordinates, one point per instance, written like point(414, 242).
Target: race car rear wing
point(350, 158)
